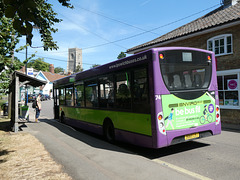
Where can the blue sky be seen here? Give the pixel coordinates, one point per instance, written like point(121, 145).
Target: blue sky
point(94, 25)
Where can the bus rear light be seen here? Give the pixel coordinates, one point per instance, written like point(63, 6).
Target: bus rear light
point(161, 56)
point(209, 58)
point(161, 126)
point(217, 114)
point(160, 117)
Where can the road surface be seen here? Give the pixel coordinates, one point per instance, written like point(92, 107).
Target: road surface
point(87, 156)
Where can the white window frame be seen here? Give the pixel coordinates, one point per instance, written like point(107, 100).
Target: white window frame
point(230, 72)
point(223, 36)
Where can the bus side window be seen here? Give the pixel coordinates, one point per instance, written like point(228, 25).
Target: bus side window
point(91, 93)
point(62, 96)
point(123, 95)
point(106, 92)
point(79, 96)
point(69, 96)
point(141, 102)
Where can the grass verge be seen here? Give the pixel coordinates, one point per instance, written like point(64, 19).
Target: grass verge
point(22, 156)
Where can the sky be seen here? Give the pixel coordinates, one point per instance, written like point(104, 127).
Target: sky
point(105, 28)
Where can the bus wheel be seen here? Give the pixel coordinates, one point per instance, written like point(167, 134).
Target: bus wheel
point(62, 119)
point(108, 131)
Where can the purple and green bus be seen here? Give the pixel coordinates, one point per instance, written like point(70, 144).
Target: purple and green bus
point(154, 99)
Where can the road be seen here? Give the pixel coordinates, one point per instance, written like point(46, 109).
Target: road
point(88, 156)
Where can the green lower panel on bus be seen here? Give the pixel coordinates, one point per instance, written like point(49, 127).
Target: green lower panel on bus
point(132, 122)
point(181, 114)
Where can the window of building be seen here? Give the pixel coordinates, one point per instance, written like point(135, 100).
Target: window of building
point(220, 45)
point(228, 88)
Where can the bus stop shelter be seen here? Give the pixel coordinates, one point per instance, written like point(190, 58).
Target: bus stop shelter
point(19, 79)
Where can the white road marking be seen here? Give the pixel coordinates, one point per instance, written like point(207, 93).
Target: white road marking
point(179, 169)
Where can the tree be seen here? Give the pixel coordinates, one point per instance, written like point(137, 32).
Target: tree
point(29, 14)
point(6, 70)
point(121, 55)
point(78, 69)
point(39, 64)
point(94, 65)
point(8, 40)
point(18, 18)
point(58, 70)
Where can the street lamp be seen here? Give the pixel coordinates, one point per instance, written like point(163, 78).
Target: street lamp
point(26, 91)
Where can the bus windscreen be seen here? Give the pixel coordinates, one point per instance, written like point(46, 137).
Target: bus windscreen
point(182, 70)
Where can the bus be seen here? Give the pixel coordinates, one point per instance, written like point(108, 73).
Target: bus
point(156, 98)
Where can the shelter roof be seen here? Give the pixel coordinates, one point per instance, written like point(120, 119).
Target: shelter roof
point(32, 81)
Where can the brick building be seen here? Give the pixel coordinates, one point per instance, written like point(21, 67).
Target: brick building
point(217, 31)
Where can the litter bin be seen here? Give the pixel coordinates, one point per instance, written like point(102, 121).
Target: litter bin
point(24, 112)
point(5, 109)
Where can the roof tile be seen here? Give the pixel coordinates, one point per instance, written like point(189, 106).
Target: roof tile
point(217, 17)
point(52, 76)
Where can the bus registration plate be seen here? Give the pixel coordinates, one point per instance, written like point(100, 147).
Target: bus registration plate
point(191, 136)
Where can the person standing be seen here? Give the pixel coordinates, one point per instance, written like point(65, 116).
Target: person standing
point(38, 106)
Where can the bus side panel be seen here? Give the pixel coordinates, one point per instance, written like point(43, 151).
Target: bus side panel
point(129, 127)
point(133, 138)
point(159, 88)
point(133, 122)
point(218, 127)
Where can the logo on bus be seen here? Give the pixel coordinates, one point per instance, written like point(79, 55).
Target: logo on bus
point(157, 97)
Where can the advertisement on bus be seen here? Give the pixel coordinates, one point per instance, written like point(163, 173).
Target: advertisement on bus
point(181, 114)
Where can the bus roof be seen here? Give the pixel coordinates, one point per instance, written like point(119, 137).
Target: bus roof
point(127, 62)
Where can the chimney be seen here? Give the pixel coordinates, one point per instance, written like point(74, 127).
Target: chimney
point(51, 68)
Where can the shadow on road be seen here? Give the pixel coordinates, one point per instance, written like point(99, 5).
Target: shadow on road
point(86, 137)
point(98, 141)
point(165, 151)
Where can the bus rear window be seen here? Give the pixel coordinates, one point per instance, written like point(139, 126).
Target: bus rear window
point(183, 70)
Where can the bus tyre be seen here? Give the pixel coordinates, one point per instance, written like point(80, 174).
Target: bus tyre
point(108, 131)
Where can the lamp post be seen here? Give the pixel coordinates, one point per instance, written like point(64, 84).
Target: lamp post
point(26, 90)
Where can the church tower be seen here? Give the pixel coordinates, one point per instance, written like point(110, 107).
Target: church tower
point(74, 59)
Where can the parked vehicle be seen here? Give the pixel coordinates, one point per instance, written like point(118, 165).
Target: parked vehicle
point(31, 97)
point(47, 97)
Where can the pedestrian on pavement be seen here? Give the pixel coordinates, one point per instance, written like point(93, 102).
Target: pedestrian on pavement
point(38, 106)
